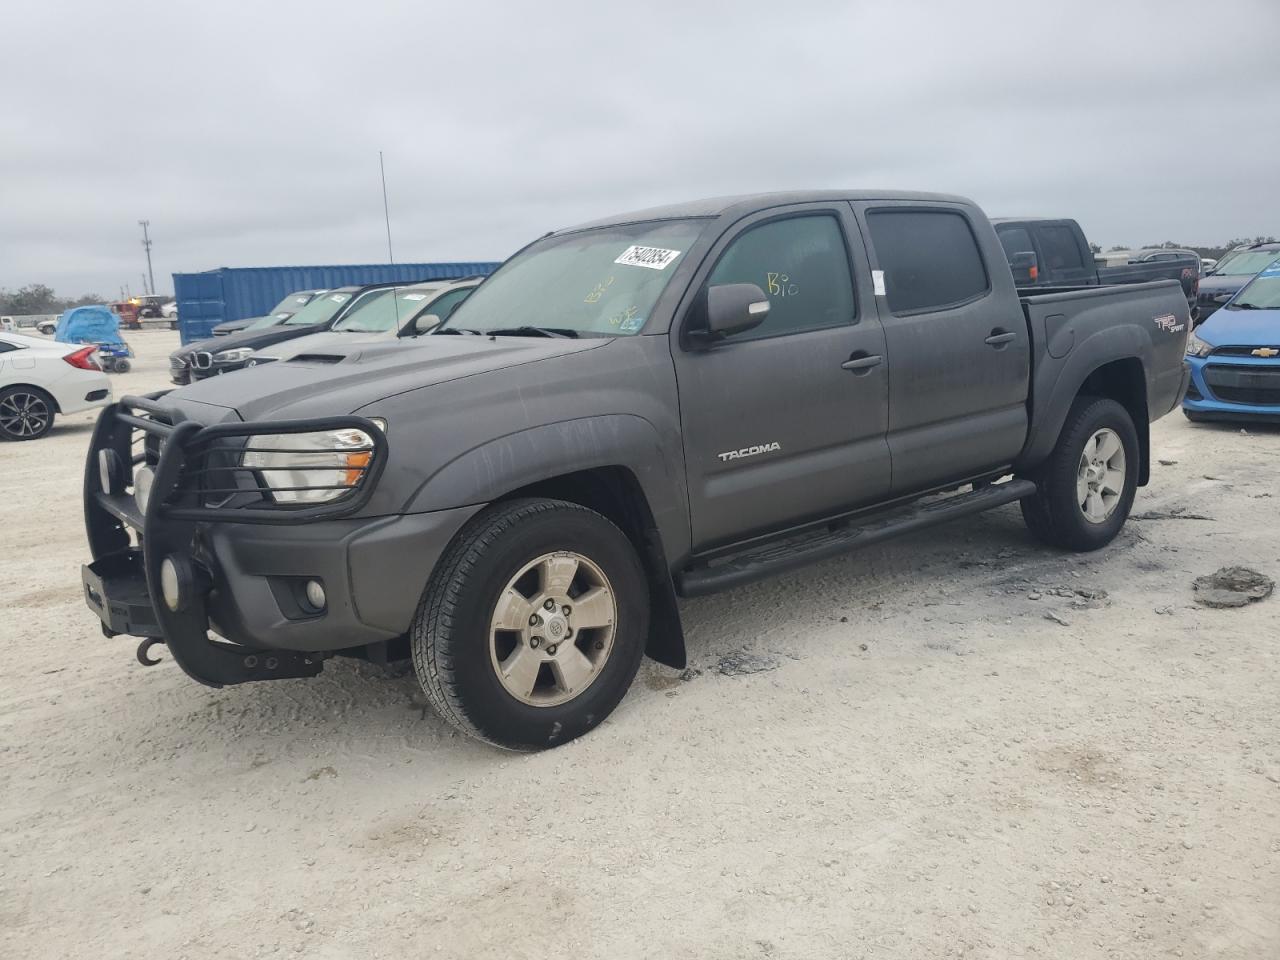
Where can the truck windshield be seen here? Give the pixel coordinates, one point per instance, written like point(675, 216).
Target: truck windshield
point(382, 313)
point(600, 282)
point(319, 310)
point(1245, 263)
point(1261, 293)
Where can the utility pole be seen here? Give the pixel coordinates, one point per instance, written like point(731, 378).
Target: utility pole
point(146, 245)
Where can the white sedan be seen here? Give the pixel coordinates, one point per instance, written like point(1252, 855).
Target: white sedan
point(40, 379)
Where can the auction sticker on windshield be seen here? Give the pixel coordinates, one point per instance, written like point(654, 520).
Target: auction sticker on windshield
point(655, 258)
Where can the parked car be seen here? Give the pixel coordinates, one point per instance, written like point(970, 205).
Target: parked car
point(281, 312)
point(47, 326)
point(1055, 253)
point(1232, 272)
point(40, 379)
point(663, 403)
point(1168, 255)
point(219, 355)
point(1207, 264)
point(170, 310)
point(402, 312)
point(1235, 356)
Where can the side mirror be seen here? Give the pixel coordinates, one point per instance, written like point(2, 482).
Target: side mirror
point(732, 308)
point(426, 323)
point(1025, 267)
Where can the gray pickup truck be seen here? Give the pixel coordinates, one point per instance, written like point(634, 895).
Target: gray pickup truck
point(650, 406)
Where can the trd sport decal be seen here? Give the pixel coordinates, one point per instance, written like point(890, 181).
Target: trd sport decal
point(750, 451)
point(1168, 323)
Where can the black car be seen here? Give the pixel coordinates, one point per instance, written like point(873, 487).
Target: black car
point(281, 312)
point(208, 358)
point(1232, 272)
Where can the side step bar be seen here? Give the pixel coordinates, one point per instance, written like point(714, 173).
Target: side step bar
point(783, 557)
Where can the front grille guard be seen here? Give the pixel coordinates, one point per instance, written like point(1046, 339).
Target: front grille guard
point(137, 431)
point(205, 481)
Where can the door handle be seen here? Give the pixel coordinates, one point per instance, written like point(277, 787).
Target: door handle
point(862, 363)
point(1000, 339)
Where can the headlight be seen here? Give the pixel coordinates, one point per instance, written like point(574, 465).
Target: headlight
point(310, 467)
point(234, 355)
point(1197, 347)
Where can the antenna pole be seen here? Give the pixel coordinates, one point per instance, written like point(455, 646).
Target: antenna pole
point(386, 210)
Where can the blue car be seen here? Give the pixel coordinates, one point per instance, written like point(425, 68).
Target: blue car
point(1235, 356)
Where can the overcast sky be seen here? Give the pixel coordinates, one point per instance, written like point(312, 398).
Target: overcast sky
point(248, 133)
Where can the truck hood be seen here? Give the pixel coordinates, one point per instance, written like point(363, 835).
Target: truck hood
point(1212, 285)
point(1241, 328)
point(342, 380)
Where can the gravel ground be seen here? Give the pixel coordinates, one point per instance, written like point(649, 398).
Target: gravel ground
point(954, 744)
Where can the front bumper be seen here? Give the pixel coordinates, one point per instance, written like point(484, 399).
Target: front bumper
point(245, 567)
point(1227, 387)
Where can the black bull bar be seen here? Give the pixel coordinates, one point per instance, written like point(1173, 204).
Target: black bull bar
point(190, 489)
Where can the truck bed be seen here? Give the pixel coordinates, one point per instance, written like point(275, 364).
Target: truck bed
point(1071, 328)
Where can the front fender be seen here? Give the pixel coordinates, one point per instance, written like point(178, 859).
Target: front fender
point(497, 467)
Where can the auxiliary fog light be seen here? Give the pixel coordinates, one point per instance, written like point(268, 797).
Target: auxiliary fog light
point(175, 582)
point(315, 594)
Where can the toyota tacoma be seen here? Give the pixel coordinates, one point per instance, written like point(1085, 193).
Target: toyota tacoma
point(646, 407)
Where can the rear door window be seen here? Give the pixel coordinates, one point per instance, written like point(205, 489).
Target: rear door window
point(801, 264)
point(930, 259)
point(1059, 249)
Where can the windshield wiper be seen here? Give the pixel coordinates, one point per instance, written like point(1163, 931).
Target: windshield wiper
point(1241, 305)
point(458, 330)
point(561, 332)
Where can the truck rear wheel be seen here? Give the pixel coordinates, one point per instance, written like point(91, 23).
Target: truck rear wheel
point(533, 624)
point(1086, 487)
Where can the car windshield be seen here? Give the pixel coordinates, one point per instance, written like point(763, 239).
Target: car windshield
point(292, 303)
point(1245, 263)
point(600, 282)
point(320, 310)
point(1260, 293)
point(383, 312)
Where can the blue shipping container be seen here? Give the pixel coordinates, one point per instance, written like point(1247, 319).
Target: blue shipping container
point(233, 293)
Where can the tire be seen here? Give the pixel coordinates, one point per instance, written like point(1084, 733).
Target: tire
point(475, 644)
point(26, 413)
point(122, 366)
point(1070, 490)
point(1193, 416)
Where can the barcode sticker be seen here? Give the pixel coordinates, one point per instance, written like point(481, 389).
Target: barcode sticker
point(655, 258)
point(877, 281)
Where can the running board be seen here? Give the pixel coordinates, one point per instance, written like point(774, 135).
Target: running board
point(768, 561)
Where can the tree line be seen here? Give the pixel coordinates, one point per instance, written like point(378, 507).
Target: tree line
point(37, 298)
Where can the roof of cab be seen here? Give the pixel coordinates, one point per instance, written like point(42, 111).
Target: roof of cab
point(751, 202)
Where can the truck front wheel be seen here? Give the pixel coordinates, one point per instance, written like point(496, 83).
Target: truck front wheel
point(532, 625)
point(1086, 487)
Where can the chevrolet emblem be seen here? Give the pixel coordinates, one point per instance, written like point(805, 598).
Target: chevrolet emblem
point(1266, 352)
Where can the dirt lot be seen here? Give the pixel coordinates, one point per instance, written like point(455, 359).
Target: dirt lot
point(932, 766)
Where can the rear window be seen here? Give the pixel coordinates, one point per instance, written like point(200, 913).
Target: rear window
point(930, 258)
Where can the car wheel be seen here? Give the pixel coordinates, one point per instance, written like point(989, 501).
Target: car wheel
point(122, 366)
point(1086, 487)
point(532, 625)
point(1193, 416)
point(26, 413)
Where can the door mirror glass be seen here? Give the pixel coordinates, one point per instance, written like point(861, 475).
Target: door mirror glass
point(733, 308)
point(426, 323)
